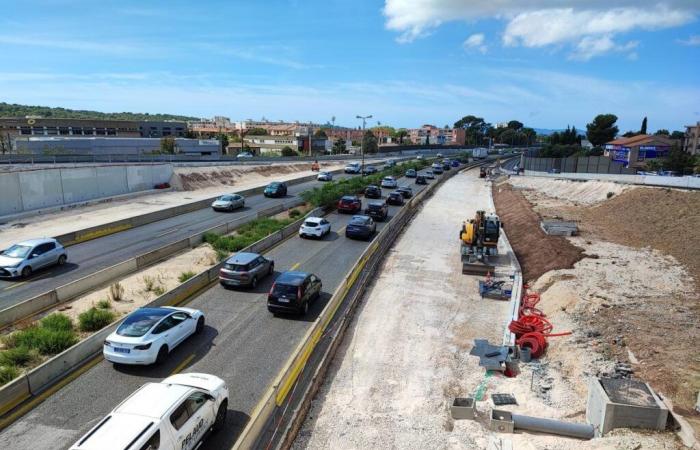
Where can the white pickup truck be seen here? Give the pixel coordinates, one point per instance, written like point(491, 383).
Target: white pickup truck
point(175, 414)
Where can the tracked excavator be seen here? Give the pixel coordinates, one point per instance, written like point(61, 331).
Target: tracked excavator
point(479, 241)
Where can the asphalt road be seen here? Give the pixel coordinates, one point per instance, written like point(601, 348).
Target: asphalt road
point(242, 343)
point(91, 256)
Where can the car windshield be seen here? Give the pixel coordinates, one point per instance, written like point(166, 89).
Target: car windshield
point(226, 198)
point(18, 251)
point(237, 267)
point(273, 185)
point(285, 290)
point(358, 220)
point(375, 206)
point(140, 322)
point(348, 199)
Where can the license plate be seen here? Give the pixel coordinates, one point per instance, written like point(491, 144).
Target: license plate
point(283, 300)
point(121, 350)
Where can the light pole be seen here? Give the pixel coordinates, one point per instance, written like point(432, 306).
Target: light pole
point(362, 143)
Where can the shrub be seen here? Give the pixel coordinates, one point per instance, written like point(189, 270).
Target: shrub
point(104, 304)
point(221, 254)
point(159, 290)
point(57, 322)
point(95, 319)
point(294, 213)
point(116, 292)
point(149, 282)
point(46, 341)
point(184, 276)
point(8, 373)
point(18, 356)
point(245, 236)
point(610, 194)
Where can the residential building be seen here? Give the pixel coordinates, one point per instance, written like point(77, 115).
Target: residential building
point(210, 127)
point(691, 143)
point(268, 145)
point(40, 126)
point(432, 135)
point(57, 145)
point(634, 151)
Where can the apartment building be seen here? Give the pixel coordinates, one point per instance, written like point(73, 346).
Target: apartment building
point(691, 143)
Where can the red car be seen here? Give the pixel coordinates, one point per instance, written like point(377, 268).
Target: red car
point(349, 204)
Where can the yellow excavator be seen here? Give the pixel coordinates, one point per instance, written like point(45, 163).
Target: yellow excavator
point(478, 241)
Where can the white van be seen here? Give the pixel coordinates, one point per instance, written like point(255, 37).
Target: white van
point(175, 414)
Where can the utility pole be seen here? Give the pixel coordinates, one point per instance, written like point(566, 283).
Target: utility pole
point(362, 142)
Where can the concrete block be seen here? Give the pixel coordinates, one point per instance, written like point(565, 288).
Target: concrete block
point(111, 181)
point(463, 408)
point(502, 421)
point(156, 255)
point(11, 194)
point(40, 188)
point(13, 393)
point(615, 403)
point(79, 184)
point(99, 278)
point(27, 308)
point(139, 178)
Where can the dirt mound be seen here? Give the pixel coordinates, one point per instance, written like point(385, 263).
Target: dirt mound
point(667, 220)
point(191, 179)
point(576, 192)
point(537, 252)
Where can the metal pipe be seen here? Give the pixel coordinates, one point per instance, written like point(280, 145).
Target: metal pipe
point(576, 430)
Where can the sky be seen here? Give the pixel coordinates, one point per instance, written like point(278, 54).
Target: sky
point(546, 63)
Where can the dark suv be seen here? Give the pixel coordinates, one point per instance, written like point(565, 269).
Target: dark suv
point(373, 191)
point(349, 204)
point(275, 189)
point(395, 198)
point(245, 269)
point(293, 292)
point(377, 210)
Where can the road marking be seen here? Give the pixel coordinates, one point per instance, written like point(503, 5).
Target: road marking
point(183, 364)
point(167, 232)
point(24, 409)
point(15, 285)
point(43, 275)
point(295, 266)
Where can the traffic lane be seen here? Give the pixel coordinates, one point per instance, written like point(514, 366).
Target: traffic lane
point(91, 256)
point(243, 343)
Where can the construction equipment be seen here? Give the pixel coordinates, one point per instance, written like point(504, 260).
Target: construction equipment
point(479, 240)
point(482, 172)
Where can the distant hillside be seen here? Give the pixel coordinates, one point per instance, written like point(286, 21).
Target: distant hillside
point(548, 131)
point(13, 110)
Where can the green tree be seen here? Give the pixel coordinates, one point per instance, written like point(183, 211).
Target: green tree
point(602, 129)
point(401, 134)
point(662, 132)
point(530, 135)
point(288, 151)
point(678, 160)
point(369, 142)
point(629, 134)
point(644, 126)
point(167, 145)
point(338, 146)
point(515, 125)
point(256, 132)
point(320, 134)
point(475, 128)
point(678, 135)
point(223, 139)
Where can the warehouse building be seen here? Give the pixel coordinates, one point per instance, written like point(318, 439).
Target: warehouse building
point(15, 127)
point(55, 145)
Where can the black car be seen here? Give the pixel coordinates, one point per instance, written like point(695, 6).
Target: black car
point(275, 189)
point(373, 191)
point(446, 166)
point(420, 179)
point(395, 198)
point(378, 211)
point(369, 170)
point(293, 292)
point(360, 227)
point(406, 191)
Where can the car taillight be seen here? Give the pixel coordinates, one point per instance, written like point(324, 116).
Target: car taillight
point(142, 347)
point(299, 292)
point(271, 289)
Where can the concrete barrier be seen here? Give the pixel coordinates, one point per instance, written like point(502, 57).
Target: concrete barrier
point(28, 308)
point(85, 284)
point(644, 180)
point(13, 393)
point(11, 194)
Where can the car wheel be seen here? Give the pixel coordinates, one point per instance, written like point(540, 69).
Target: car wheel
point(305, 309)
point(254, 282)
point(220, 416)
point(272, 269)
point(162, 354)
point(62, 260)
point(27, 272)
point(200, 325)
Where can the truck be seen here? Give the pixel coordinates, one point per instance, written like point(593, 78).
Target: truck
point(480, 153)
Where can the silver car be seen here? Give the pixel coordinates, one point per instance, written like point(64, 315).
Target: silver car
point(325, 176)
point(228, 202)
point(245, 269)
point(23, 258)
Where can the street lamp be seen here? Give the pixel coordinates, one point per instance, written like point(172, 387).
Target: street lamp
point(362, 142)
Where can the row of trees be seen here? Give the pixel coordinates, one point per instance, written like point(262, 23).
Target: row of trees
point(480, 132)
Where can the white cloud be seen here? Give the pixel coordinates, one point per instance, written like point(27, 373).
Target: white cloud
point(539, 23)
point(589, 46)
point(475, 41)
point(691, 41)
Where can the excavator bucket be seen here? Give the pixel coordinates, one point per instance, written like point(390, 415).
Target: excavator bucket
point(476, 266)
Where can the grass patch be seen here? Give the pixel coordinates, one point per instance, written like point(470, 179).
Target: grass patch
point(104, 304)
point(184, 276)
point(18, 356)
point(8, 373)
point(294, 214)
point(116, 292)
point(95, 319)
point(246, 235)
point(149, 282)
point(57, 322)
point(159, 290)
point(51, 335)
point(328, 195)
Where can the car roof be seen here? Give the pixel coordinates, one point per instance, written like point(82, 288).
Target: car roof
point(314, 219)
point(117, 431)
point(360, 218)
point(348, 197)
point(153, 400)
point(36, 241)
point(376, 204)
point(275, 183)
point(373, 186)
point(242, 258)
point(293, 278)
point(395, 193)
point(387, 178)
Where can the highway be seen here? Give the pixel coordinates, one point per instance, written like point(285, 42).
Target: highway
point(242, 343)
point(88, 257)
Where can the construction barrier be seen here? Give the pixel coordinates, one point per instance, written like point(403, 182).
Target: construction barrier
point(263, 430)
point(644, 180)
point(70, 360)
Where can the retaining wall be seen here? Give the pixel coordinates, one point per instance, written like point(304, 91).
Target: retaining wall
point(646, 180)
point(45, 188)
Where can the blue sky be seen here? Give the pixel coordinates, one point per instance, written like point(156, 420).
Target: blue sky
point(547, 63)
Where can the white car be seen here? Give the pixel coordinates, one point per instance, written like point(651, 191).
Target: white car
point(314, 227)
point(325, 176)
point(244, 155)
point(23, 258)
point(176, 413)
point(389, 182)
point(429, 174)
point(228, 202)
point(147, 335)
point(353, 168)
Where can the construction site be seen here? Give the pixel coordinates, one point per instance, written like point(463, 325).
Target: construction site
point(519, 312)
